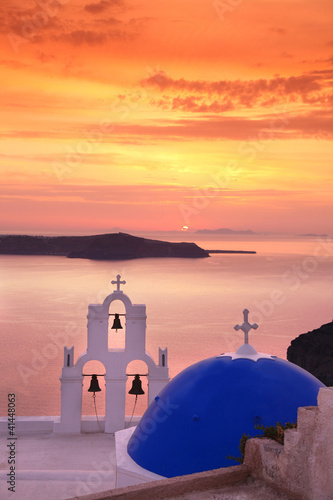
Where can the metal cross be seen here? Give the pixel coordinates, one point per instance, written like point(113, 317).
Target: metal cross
point(118, 282)
point(246, 326)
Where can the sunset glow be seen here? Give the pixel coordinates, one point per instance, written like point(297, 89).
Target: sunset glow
point(166, 115)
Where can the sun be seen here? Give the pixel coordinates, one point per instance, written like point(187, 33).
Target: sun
point(185, 228)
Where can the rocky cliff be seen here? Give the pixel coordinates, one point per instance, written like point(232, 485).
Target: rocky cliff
point(313, 351)
point(116, 246)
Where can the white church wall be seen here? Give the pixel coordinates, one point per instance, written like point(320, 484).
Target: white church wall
point(129, 472)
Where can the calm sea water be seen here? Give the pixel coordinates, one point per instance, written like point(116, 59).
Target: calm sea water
point(192, 307)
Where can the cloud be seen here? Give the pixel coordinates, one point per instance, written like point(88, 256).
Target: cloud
point(45, 58)
point(286, 55)
point(36, 25)
point(322, 73)
point(95, 37)
point(279, 31)
point(100, 194)
point(80, 37)
point(194, 104)
point(14, 64)
point(109, 21)
point(92, 37)
point(30, 22)
point(283, 85)
point(131, 194)
point(34, 134)
point(224, 95)
point(102, 6)
point(316, 124)
point(191, 104)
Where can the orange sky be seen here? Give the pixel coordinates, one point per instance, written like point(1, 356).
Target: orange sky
point(158, 114)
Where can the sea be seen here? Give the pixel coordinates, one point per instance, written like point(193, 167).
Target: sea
point(192, 308)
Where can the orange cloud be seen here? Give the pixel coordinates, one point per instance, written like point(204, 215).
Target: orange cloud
point(137, 101)
point(102, 6)
point(315, 87)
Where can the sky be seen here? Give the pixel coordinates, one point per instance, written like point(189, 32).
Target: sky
point(155, 115)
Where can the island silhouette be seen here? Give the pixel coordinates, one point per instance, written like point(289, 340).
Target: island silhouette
point(114, 246)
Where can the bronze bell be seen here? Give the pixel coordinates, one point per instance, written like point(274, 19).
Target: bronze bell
point(136, 386)
point(94, 385)
point(116, 323)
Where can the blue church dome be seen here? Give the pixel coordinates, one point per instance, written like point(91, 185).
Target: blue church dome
point(197, 420)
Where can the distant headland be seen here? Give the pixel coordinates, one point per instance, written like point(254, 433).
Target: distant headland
point(231, 251)
point(115, 246)
point(223, 230)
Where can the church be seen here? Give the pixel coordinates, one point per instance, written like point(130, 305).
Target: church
point(189, 435)
point(194, 422)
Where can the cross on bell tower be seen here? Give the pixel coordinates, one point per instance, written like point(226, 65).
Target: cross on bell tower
point(246, 326)
point(118, 283)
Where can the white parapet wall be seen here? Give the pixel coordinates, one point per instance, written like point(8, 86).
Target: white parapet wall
point(48, 425)
point(304, 465)
point(29, 425)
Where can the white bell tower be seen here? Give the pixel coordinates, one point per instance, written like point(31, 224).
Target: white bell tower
point(115, 362)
